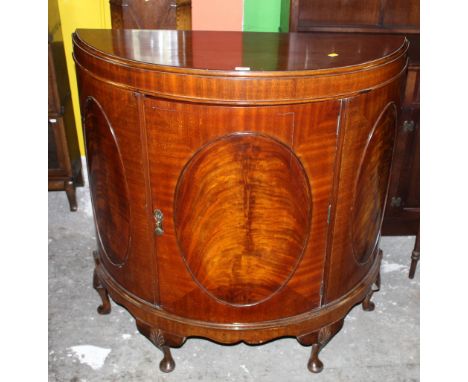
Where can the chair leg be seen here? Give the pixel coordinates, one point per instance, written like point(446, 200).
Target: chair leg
point(414, 257)
point(71, 195)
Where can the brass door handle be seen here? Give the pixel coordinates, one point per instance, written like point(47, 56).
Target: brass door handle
point(158, 218)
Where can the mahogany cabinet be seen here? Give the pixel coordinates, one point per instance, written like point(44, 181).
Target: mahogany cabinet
point(399, 17)
point(64, 160)
point(151, 14)
point(394, 16)
point(238, 193)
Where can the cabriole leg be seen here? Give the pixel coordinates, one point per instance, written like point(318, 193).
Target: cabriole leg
point(105, 308)
point(318, 340)
point(367, 304)
point(164, 342)
point(167, 364)
point(315, 365)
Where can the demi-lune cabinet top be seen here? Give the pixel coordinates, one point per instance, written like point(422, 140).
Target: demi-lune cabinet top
point(240, 67)
point(241, 51)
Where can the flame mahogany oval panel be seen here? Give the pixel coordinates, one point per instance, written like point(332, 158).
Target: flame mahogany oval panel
point(242, 214)
point(371, 187)
point(108, 184)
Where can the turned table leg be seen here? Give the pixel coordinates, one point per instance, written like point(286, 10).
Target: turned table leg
point(414, 257)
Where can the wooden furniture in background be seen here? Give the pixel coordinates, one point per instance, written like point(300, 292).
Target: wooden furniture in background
point(151, 14)
point(64, 160)
point(231, 201)
point(379, 16)
point(399, 17)
point(402, 214)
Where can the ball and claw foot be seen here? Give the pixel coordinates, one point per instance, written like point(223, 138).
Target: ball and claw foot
point(315, 365)
point(105, 307)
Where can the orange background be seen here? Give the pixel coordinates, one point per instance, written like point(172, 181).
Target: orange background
point(217, 15)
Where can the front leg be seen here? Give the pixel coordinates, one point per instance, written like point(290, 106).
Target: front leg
point(163, 341)
point(167, 364)
point(318, 340)
point(315, 365)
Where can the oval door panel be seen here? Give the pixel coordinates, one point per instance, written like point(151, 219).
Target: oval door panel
point(108, 185)
point(371, 187)
point(242, 217)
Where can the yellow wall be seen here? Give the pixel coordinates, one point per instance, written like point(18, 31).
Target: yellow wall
point(80, 14)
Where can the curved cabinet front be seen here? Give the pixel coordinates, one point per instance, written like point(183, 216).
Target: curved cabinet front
point(231, 201)
point(109, 188)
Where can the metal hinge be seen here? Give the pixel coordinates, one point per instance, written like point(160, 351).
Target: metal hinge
point(328, 214)
point(321, 289)
point(395, 201)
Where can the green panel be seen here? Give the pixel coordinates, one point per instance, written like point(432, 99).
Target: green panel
point(262, 15)
point(284, 17)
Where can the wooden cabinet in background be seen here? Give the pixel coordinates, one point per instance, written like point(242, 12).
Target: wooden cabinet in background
point(393, 16)
point(402, 213)
point(399, 17)
point(64, 160)
point(151, 14)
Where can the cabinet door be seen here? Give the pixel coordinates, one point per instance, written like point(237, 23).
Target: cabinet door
point(241, 198)
point(116, 161)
